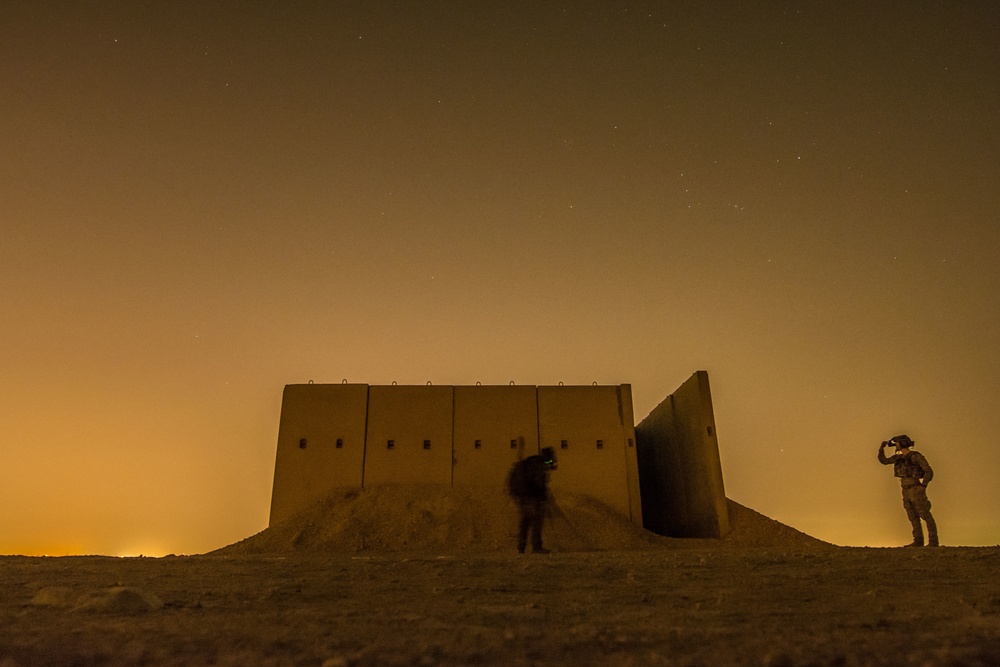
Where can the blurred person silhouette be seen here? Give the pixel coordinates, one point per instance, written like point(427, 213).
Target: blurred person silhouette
point(528, 484)
point(914, 475)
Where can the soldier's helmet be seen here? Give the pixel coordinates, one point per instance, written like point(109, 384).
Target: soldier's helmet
point(902, 441)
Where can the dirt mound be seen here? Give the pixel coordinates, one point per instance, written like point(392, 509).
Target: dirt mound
point(752, 529)
point(437, 519)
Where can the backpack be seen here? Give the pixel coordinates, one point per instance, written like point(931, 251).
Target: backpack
point(517, 480)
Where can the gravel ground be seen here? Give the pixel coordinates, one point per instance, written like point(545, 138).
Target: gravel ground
point(425, 577)
point(685, 606)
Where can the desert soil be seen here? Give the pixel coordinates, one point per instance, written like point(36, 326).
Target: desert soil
point(765, 595)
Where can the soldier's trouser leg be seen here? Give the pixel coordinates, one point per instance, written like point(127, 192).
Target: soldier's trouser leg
point(913, 516)
point(537, 518)
point(532, 515)
point(932, 536)
point(920, 506)
point(522, 528)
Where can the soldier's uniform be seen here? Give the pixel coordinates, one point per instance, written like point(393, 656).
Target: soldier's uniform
point(528, 484)
point(914, 474)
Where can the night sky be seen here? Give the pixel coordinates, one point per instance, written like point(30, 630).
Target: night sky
point(201, 202)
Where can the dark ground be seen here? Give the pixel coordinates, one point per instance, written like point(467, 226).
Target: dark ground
point(662, 606)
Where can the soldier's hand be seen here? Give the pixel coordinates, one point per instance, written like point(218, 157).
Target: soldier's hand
point(885, 443)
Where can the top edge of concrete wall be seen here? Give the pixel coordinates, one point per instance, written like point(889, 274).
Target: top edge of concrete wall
point(364, 384)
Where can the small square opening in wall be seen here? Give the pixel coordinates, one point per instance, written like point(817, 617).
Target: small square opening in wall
point(600, 444)
point(340, 443)
point(564, 444)
point(710, 431)
point(513, 444)
point(391, 444)
point(631, 443)
point(302, 443)
point(427, 444)
point(478, 444)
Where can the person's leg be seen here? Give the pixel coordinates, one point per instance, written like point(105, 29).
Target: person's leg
point(922, 506)
point(525, 524)
point(914, 517)
point(538, 516)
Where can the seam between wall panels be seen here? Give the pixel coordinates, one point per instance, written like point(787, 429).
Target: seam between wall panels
point(624, 443)
point(538, 425)
point(452, 466)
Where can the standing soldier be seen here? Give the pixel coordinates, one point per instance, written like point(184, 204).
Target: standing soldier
point(914, 475)
point(528, 483)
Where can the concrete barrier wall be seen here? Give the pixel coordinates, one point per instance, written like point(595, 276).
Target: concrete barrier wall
point(695, 417)
point(494, 427)
point(409, 435)
point(321, 444)
point(657, 458)
point(462, 436)
point(585, 425)
point(683, 494)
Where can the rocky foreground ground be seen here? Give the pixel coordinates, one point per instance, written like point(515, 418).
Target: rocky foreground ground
point(317, 592)
point(836, 606)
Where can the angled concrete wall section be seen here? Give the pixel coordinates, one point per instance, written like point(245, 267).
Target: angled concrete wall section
point(680, 472)
point(321, 444)
point(494, 427)
point(587, 428)
point(409, 435)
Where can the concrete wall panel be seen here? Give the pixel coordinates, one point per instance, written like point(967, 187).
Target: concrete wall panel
point(654, 436)
point(321, 444)
point(487, 421)
point(586, 428)
point(409, 435)
point(680, 469)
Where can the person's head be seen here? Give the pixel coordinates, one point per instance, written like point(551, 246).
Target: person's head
point(901, 442)
point(549, 456)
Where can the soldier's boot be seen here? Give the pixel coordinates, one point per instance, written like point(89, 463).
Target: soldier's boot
point(918, 536)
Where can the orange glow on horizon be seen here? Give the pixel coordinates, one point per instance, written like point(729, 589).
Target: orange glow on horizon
point(198, 208)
